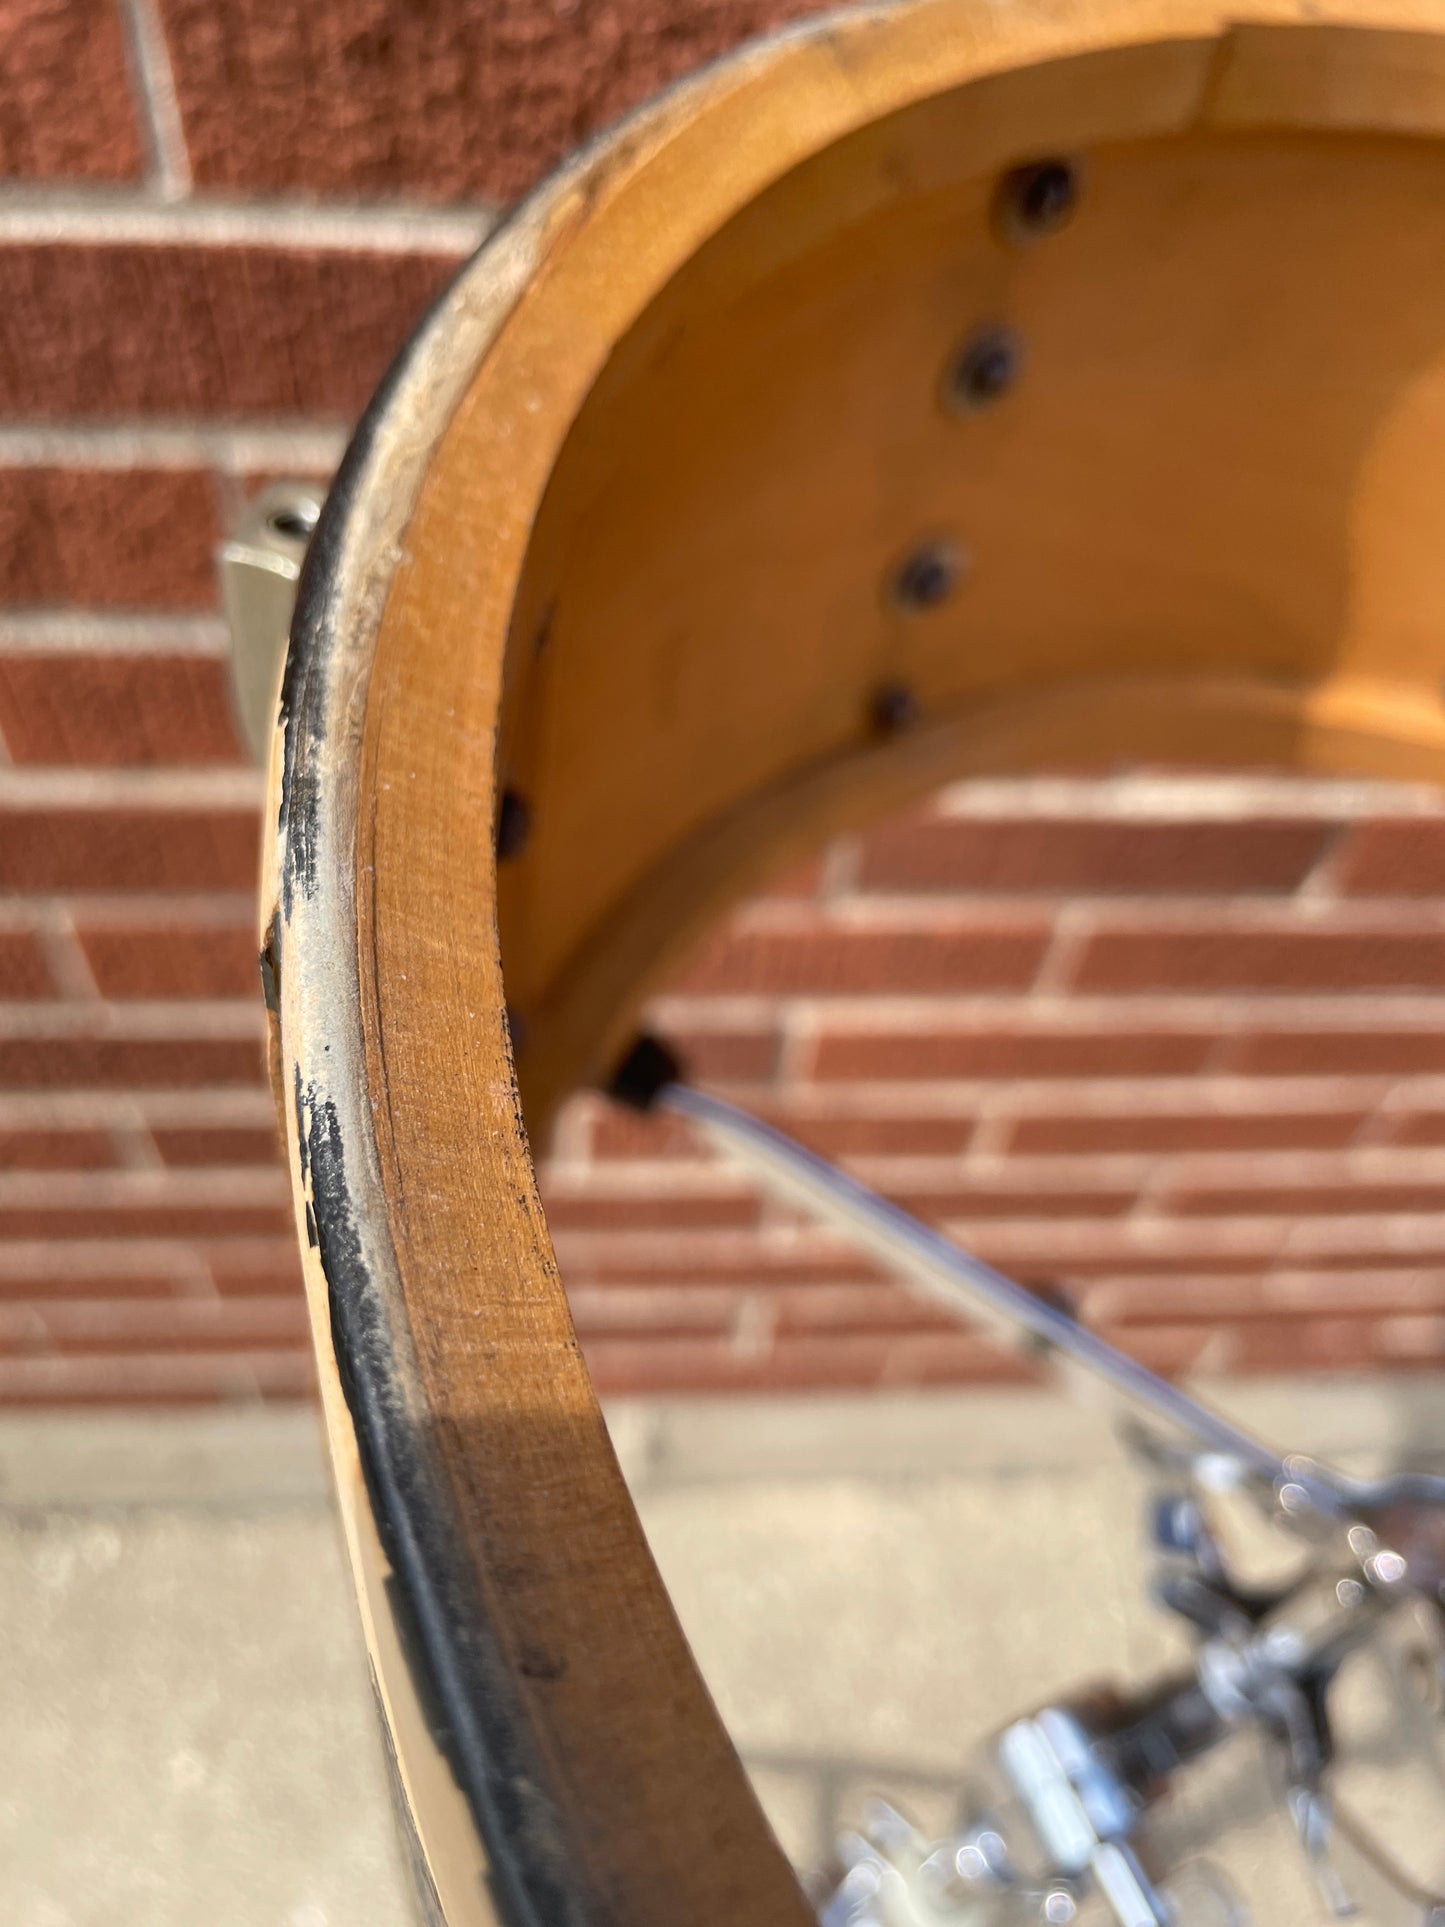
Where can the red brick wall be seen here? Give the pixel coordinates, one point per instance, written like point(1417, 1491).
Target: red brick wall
point(1174, 1044)
point(1179, 1046)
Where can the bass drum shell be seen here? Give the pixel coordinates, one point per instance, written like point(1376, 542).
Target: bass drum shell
point(681, 502)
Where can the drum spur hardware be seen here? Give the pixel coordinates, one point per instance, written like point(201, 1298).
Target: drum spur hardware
point(1056, 1821)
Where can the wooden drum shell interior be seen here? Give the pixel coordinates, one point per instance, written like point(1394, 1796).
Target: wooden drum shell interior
point(629, 536)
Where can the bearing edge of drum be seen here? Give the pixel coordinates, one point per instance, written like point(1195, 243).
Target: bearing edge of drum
point(558, 1755)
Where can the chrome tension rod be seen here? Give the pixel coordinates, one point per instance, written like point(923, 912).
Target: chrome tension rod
point(930, 1263)
point(1263, 1663)
point(942, 1270)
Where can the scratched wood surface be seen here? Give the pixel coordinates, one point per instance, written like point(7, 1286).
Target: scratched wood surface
point(675, 525)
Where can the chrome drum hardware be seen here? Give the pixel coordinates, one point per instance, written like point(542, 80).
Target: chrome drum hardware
point(1056, 1821)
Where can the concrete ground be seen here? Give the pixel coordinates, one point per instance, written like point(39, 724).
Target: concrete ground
point(870, 1585)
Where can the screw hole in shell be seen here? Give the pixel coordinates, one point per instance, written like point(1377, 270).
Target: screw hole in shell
point(983, 371)
point(927, 576)
point(1036, 200)
point(892, 708)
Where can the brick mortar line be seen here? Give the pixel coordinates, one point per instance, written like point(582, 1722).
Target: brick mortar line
point(994, 1123)
point(232, 447)
point(754, 1327)
point(166, 1185)
point(1074, 924)
point(1373, 1133)
point(862, 1014)
point(210, 1370)
point(1245, 1170)
point(722, 1010)
point(869, 913)
point(838, 868)
point(84, 632)
point(118, 217)
point(71, 1323)
point(1270, 1246)
point(1004, 1102)
point(57, 1256)
point(1320, 883)
point(1164, 1174)
point(1277, 1280)
point(1008, 1099)
point(147, 914)
point(796, 1239)
point(1230, 1096)
point(1385, 1231)
point(571, 1135)
point(202, 787)
point(722, 1295)
point(69, 967)
point(136, 1313)
point(185, 1362)
point(692, 1246)
point(1175, 798)
point(1273, 1291)
point(1222, 1048)
point(1039, 1100)
point(183, 1021)
point(144, 909)
point(700, 1176)
point(704, 1249)
point(273, 1346)
point(797, 1045)
point(961, 913)
point(561, 1170)
point(1024, 1172)
point(80, 1108)
point(135, 1149)
point(153, 83)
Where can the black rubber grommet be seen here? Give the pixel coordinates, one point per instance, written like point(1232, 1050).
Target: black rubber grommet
point(648, 1066)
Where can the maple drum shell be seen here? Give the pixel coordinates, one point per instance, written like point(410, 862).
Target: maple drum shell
point(924, 392)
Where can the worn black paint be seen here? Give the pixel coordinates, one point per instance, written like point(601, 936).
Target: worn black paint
point(306, 677)
point(461, 1676)
point(457, 1662)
